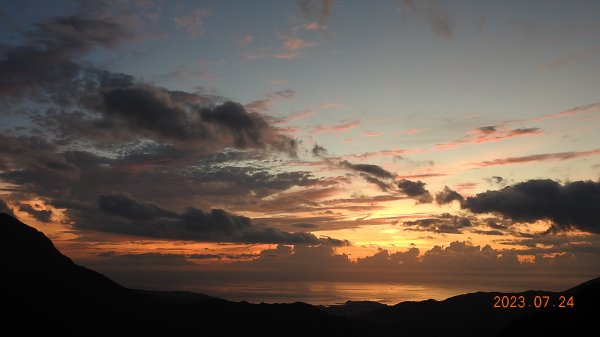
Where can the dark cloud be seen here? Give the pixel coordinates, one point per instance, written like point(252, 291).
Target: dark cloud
point(4, 208)
point(374, 170)
point(41, 215)
point(416, 190)
point(319, 151)
point(384, 186)
point(146, 112)
point(573, 205)
point(488, 232)
point(523, 131)
point(143, 260)
point(439, 18)
point(247, 129)
point(305, 225)
point(121, 213)
point(97, 131)
point(460, 262)
point(447, 196)
point(487, 129)
point(444, 223)
point(163, 174)
point(47, 61)
point(496, 180)
point(373, 174)
point(89, 104)
point(243, 256)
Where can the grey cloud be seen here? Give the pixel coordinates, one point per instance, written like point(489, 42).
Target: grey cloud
point(374, 174)
point(460, 262)
point(122, 214)
point(46, 61)
point(439, 18)
point(523, 131)
point(107, 108)
point(448, 195)
point(416, 190)
point(157, 172)
point(573, 205)
point(305, 225)
point(242, 256)
point(143, 111)
point(496, 180)
point(143, 259)
point(444, 223)
point(374, 170)
point(41, 215)
point(319, 151)
point(384, 186)
point(4, 208)
point(487, 129)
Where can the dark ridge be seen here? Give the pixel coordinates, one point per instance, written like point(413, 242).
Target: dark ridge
point(45, 293)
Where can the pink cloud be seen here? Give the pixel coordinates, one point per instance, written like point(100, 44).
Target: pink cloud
point(312, 26)
point(246, 40)
point(307, 113)
point(290, 55)
point(372, 134)
point(303, 114)
point(263, 105)
point(295, 43)
point(462, 187)
point(337, 128)
point(408, 132)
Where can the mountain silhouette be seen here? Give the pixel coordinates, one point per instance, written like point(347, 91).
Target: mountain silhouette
point(45, 293)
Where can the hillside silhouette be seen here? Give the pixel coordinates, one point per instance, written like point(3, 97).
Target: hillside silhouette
point(44, 292)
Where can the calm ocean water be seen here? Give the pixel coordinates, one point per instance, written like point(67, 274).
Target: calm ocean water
point(327, 292)
point(388, 293)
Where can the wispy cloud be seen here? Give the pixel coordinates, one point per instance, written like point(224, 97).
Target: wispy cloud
point(343, 127)
point(412, 131)
point(422, 175)
point(584, 109)
point(192, 24)
point(372, 134)
point(295, 43)
point(385, 153)
point(486, 134)
point(571, 58)
point(539, 158)
point(439, 18)
point(318, 12)
point(246, 40)
point(263, 105)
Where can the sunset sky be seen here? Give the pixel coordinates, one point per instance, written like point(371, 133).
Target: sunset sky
point(219, 145)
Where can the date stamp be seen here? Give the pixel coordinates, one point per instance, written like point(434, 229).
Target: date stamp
point(536, 302)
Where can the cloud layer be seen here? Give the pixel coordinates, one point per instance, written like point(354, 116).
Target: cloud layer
point(573, 205)
point(122, 214)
